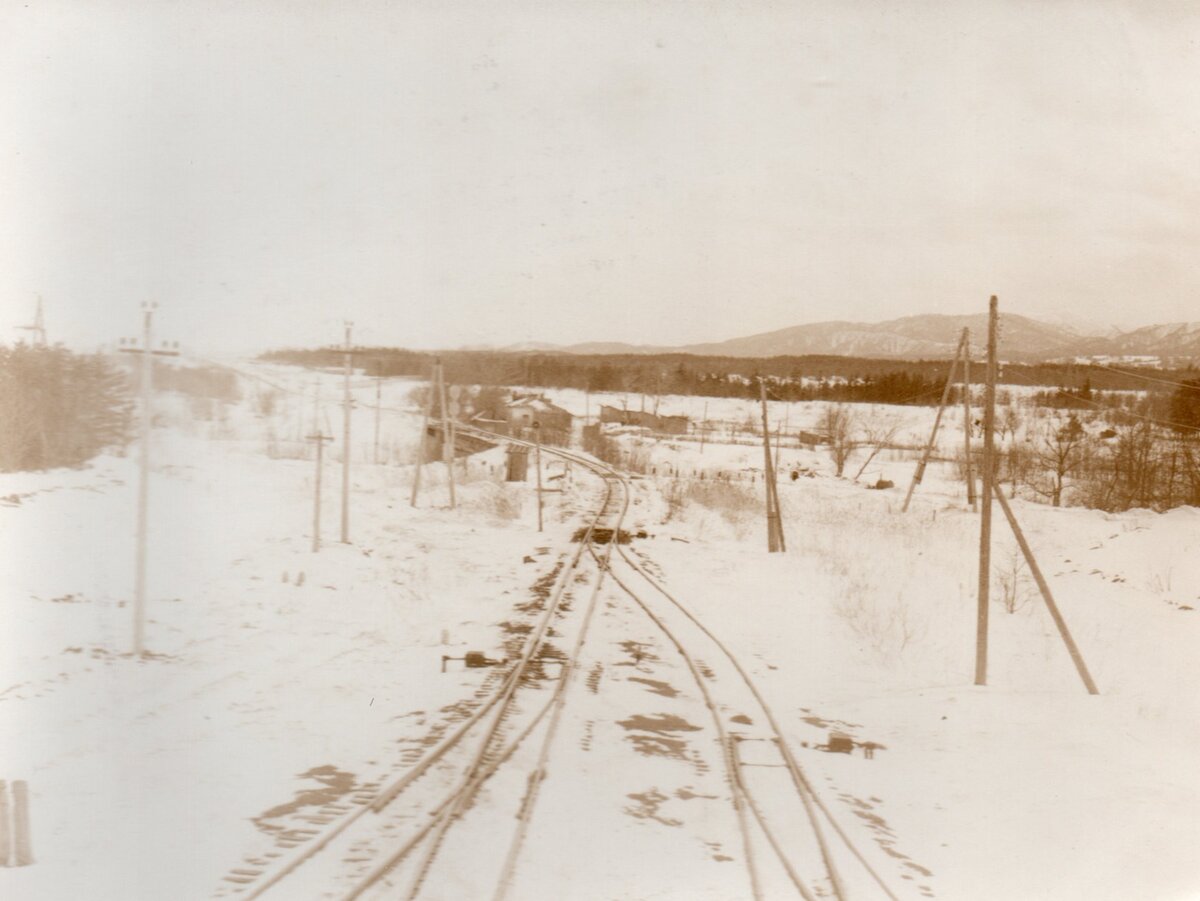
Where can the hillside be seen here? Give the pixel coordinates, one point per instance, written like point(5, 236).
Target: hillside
point(928, 336)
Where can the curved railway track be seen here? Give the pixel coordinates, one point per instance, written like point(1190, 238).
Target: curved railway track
point(393, 833)
point(389, 842)
point(810, 861)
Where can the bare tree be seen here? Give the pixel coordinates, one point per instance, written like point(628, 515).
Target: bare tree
point(1008, 421)
point(877, 433)
point(838, 424)
point(1059, 451)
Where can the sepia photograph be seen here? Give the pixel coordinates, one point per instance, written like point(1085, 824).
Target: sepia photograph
point(599, 450)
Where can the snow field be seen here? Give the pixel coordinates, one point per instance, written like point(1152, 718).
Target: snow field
point(146, 775)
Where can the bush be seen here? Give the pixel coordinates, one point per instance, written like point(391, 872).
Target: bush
point(58, 408)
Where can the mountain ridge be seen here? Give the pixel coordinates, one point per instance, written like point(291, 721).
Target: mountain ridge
point(925, 336)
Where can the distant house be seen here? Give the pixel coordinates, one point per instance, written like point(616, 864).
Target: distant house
point(522, 412)
point(670, 425)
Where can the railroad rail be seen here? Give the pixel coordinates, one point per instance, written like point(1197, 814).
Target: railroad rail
point(388, 843)
point(731, 722)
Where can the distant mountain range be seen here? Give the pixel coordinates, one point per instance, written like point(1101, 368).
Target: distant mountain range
point(927, 337)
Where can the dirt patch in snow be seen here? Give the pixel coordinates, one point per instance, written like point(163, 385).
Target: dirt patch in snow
point(602, 536)
point(657, 687)
point(335, 784)
point(653, 734)
point(886, 839)
point(647, 807)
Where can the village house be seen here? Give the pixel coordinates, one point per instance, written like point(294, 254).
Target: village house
point(667, 425)
point(523, 411)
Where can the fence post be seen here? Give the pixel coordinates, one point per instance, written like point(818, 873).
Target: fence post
point(15, 850)
point(5, 836)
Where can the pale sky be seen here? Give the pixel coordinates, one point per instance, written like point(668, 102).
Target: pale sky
point(447, 174)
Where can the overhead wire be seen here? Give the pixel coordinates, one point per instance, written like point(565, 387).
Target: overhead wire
point(1149, 378)
point(1099, 406)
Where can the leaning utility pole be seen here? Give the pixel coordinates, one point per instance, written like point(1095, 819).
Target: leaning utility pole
point(985, 520)
point(966, 385)
point(320, 440)
point(919, 474)
point(346, 404)
point(1044, 588)
point(775, 540)
point(130, 345)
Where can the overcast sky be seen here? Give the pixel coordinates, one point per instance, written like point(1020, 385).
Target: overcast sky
point(483, 173)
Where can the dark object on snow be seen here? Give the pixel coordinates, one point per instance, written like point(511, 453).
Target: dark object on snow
point(795, 474)
point(472, 660)
point(840, 743)
point(882, 484)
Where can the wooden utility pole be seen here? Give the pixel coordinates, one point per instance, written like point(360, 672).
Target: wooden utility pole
point(421, 444)
point(447, 434)
point(146, 349)
point(537, 462)
point(378, 408)
point(775, 540)
point(319, 440)
point(23, 854)
point(1044, 587)
point(968, 468)
point(346, 405)
point(38, 327)
point(704, 427)
point(5, 831)
point(919, 473)
point(985, 519)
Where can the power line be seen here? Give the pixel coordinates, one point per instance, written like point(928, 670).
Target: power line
point(1124, 412)
point(1146, 378)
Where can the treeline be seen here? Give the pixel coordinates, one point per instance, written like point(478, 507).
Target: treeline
point(58, 408)
point(208, 382)
point(833, 378)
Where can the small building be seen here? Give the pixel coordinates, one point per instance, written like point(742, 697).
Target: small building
point(516, 463)
point(523, 412)
point(669, 425)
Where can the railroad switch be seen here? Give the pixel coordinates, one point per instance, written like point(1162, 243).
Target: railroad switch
point(472, 660)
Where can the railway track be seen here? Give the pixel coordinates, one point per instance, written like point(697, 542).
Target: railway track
point(388, 838)
point(785, 854)
point(397, 837)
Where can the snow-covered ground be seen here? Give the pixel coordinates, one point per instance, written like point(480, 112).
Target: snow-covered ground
point(276, 671)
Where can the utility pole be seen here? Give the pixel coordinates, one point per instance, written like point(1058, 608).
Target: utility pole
point(421, 443)
point(346, 404)
point(774, 525)
point(447, 434)
point(966, 384)
point(146, 349)
point(38, 327)
point(985, 519)
point(919, 473)
point(319, 440)
point(704, 427)
point(537, 436)
point(378, 407)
